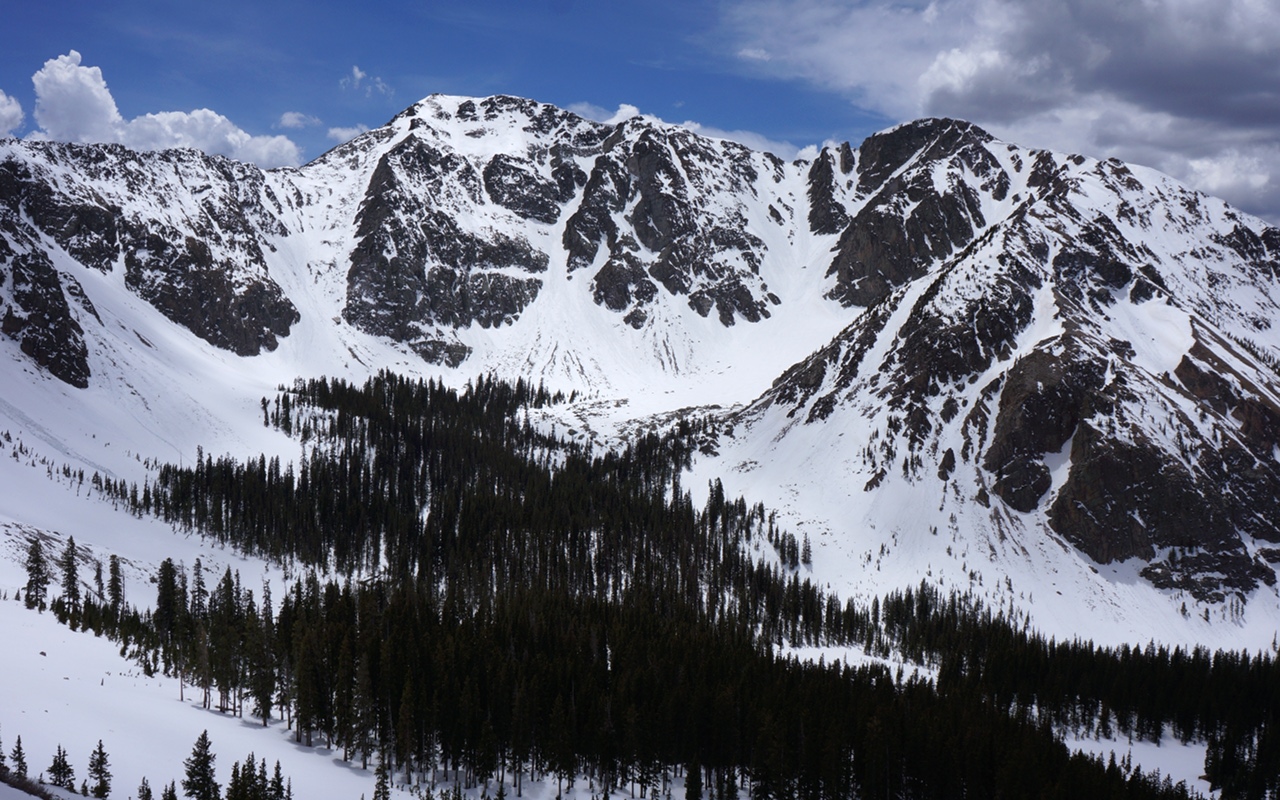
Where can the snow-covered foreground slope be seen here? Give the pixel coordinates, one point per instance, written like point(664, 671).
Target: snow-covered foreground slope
point(76, 689)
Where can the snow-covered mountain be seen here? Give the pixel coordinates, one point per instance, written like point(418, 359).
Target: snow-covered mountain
point(1077, 407)
point(1044, 378)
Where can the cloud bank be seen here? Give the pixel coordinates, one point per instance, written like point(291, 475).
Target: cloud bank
point(599, 114)
point(296, 120)
point(73, 104)
point(11, 115)
point(1190, 87)
point(341, 134)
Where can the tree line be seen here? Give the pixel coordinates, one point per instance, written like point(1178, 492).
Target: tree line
point(481, 600)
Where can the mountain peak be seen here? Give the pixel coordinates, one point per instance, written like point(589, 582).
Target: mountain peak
point(1016, 338)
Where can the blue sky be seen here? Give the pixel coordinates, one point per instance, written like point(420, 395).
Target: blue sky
point(336, 66)
point(1191, 87)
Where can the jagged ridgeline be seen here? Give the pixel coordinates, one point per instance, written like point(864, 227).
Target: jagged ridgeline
point(511, 605)
point(1066, 349)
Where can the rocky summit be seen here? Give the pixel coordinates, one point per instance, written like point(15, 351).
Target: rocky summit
point(1098, 360)
point(967, 344)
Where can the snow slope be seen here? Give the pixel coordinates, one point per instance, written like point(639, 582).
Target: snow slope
point(890, 265)
point(812, 403)
point(889, 446)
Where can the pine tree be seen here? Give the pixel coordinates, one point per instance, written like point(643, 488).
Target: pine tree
point(169, 792)
point(168, 605)
point(4, 767)
point(70, 575)
point(199, 594)
point(99, 772)
point(260, 646)
point(199, 783)
point(236, 789)
point(382, 785)
point(276, 790)
point(144, 790)
point(61, 773)
point(37, 574)
point(224, 638)
point(263, 783)
point(19, 759)
point(115, 583)
point(693, 782)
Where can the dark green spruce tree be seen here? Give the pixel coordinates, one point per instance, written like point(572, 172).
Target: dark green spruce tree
point(200, 782)
point(19, 759)
point(37, 575)
point(382, 784)
point(70, 575)
point(99, 586)
point(115, 584)
point(99, 773)
point(693, 782)
point(60, 772)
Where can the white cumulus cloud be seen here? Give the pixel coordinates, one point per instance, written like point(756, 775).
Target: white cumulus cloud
point(347, 134)
point(11, 115)
point(206, 130)
point(597, 113)
point(74, 104)
point(1190, 87)
point(296, 119)
point(784, 150)
point(353, 80)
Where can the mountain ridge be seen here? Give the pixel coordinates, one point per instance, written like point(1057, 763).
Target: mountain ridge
point(1037, 333)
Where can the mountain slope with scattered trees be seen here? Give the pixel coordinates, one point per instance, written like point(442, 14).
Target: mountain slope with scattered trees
point(478, 600)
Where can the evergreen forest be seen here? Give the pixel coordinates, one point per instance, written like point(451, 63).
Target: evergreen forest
point(476, 601)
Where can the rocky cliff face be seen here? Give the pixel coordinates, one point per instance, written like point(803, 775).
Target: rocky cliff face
point(922, 187)
point(664, 207)
point(182, 230)
point(1097, 361)
point(459, 210)
point(641, 213)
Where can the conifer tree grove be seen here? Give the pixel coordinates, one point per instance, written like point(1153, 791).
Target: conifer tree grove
point(475, 599)
point(60, 772)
